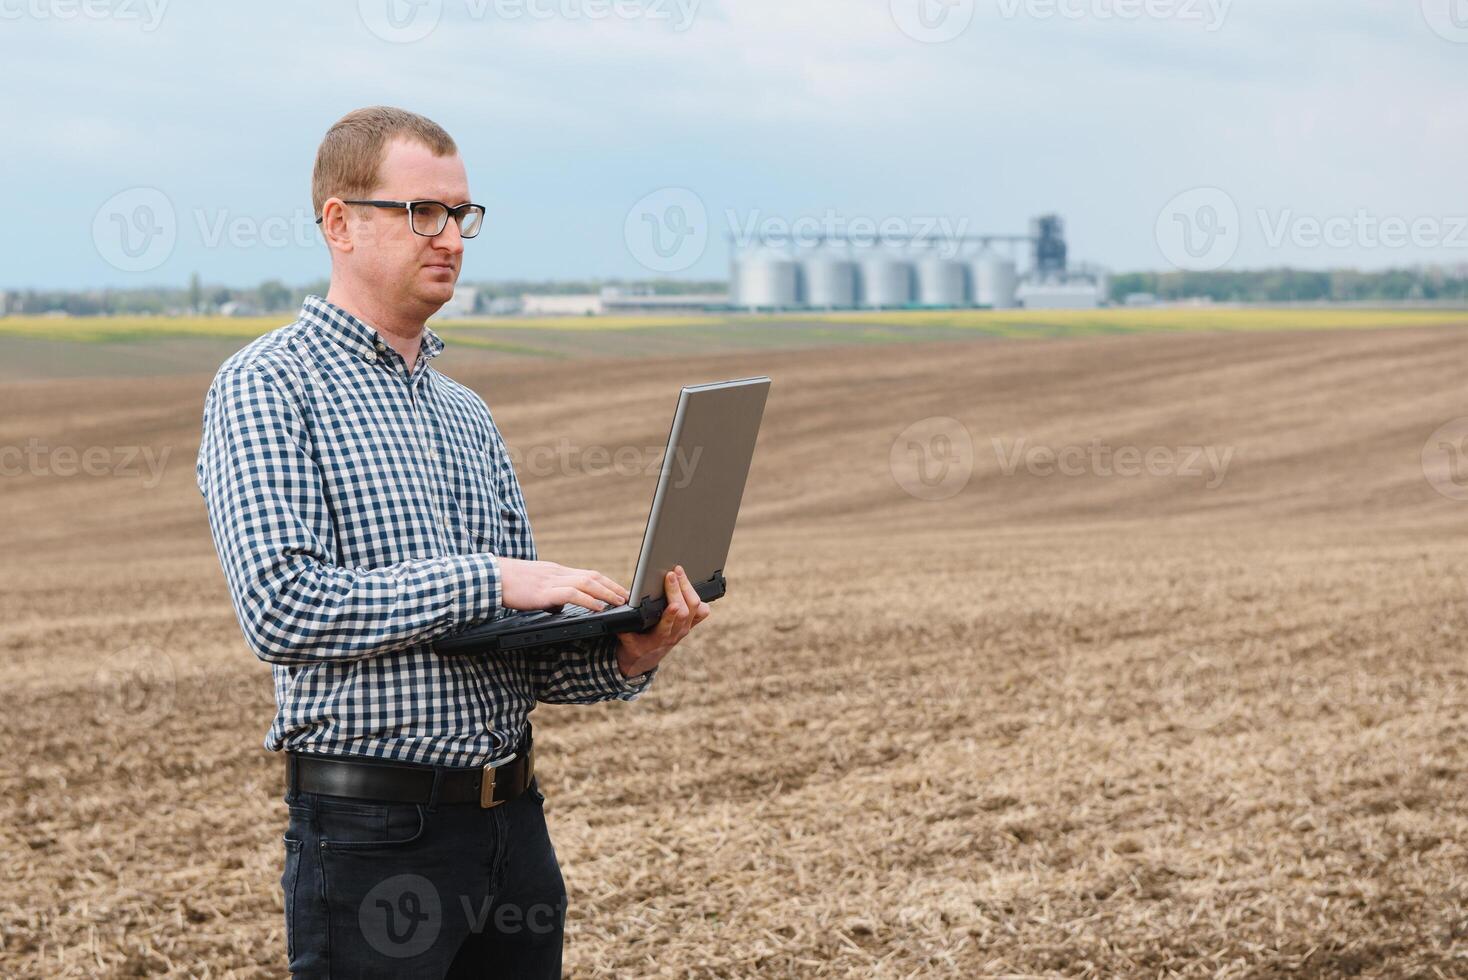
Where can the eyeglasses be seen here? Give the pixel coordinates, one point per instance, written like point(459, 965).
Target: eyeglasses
point(430, 218)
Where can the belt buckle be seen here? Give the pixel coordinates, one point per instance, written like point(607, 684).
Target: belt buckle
point(486, 783)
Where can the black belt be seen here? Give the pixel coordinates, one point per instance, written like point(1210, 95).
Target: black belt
point(403, 782)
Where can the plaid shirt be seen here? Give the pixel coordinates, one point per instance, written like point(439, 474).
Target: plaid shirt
point(358, 511)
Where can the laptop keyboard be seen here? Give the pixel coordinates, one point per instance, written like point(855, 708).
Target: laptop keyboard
point(566, 611)
point(570, 610)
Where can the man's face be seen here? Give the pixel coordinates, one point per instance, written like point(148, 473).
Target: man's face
point(410, 271)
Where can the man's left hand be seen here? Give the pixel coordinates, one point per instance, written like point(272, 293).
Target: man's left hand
point(641, 652)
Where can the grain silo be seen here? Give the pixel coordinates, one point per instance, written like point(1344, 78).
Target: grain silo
point(941, 282)
point(765, 282)
point(885, 282)
point(829, 283)
point(995, 281)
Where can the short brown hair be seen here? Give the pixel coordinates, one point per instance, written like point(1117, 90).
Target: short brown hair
point(350, 155)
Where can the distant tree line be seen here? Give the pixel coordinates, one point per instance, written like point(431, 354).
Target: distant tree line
point(1427, 285)
point(273, 296)
point(270, 296)
point(1298, 286)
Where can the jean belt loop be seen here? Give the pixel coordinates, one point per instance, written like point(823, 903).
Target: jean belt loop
point(437, 788)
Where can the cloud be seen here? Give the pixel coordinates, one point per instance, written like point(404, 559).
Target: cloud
point(785, 107)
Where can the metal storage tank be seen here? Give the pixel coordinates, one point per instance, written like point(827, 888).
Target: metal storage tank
point(885, 282)
point(995, 281)
point(941, 282)
point(829, 283)
point(765, 282)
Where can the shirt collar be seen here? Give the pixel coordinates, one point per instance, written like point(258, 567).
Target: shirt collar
point(355, 336)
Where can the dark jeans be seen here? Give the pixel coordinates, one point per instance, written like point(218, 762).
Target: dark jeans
point(421, 890)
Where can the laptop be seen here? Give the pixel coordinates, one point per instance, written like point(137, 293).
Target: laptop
point(691, 523)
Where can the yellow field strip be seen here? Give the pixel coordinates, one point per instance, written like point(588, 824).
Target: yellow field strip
point(1007, 323)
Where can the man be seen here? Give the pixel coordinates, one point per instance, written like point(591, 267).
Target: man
point(363, 505)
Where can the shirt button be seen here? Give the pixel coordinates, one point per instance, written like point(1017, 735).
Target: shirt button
point(370, 356)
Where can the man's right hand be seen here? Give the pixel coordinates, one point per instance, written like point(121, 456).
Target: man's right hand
point(542, 584)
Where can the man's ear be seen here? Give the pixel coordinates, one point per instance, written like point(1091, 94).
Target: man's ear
point(335, 226)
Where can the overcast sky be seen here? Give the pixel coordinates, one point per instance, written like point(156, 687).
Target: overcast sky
point(148, 139)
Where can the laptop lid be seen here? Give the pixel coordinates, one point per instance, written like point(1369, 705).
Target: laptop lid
point(701, 483)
